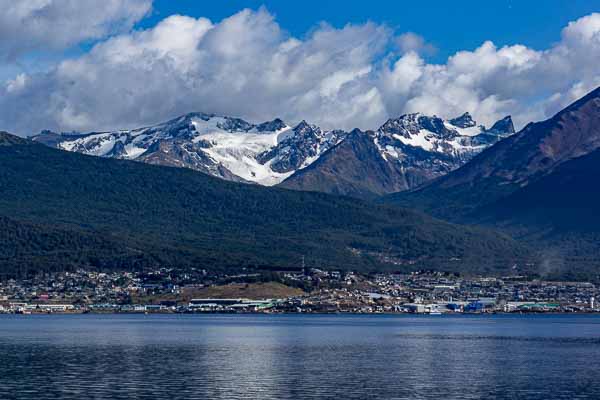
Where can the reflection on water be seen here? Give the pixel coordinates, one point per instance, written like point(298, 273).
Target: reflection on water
point(298, 357)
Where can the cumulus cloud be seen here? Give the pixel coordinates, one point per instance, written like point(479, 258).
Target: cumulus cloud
point(245, 65)
point(57, 24)
point(410, 41)
point(491, 82)
point(248, 66)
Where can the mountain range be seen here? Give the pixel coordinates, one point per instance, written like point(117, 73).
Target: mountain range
point(62, 209)
point(540, 185)
point(522, 202)
point(403, 153)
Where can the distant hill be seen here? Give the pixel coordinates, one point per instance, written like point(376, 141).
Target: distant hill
point(540, 184)
point(63, 210)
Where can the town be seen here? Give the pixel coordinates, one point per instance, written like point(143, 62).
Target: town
point(303, 291)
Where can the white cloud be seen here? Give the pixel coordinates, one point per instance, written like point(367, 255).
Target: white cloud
point(245, 65)
point(491, 82)
point(248, 66)
point(27, 25)
point(14, 85)
point(410, 41)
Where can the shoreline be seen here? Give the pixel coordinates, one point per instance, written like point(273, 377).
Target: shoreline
point(452, 314)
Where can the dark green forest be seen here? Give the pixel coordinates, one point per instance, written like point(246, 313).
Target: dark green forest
point(61, 210)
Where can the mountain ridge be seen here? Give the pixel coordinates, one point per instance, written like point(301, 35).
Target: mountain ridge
point(404, 153)
point(521, 158)
point(539, 185)
point(271, 152)
point(108, 213)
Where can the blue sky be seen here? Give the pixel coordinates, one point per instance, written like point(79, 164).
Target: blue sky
point(449, 25)
point(112, 64)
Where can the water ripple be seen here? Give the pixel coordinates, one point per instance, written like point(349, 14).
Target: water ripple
point(235, 357)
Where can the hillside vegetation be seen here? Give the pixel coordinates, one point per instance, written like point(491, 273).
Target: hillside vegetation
point(64, 210)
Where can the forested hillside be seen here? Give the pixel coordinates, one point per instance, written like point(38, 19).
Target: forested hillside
point(62, 210)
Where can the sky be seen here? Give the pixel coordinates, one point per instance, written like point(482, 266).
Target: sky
point(83, 65)
point(450, 25)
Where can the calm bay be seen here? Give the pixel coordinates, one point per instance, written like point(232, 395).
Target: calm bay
point(299, 357)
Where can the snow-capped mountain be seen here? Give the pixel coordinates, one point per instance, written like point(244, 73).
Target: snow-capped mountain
point(457, 138)
point(271, 152)
point(541, 183)
point(301, 148)
point(403, 153)
point(229, 148)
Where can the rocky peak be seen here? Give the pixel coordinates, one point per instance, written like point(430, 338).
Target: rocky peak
point(405, 125)
point(293, 152)
point(463, 121)
point(504, 126)
point(234, 125)
point(304, 129)
point(271, 126)
point(408, 125)
point(268, 152)
point(537, 149)
point(436, 125)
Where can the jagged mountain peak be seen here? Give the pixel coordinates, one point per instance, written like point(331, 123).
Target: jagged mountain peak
point(234, 125)
point(503, 126)
point(401, 125)
point(267, 153)
point(539, 184)
point(193, 120)
point(229, 124)
point(275, 125)
point(517, 162)
point(463, 121)
point(403, 153)
point(304, 127)
point(300, 149)
point(227, 147)
point(408, 125)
